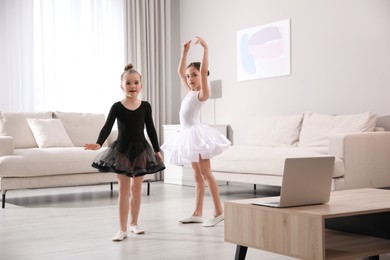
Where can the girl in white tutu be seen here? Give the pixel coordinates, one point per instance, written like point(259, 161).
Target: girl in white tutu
point(197, 143)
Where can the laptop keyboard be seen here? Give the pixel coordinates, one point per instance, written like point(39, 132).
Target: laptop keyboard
point(273, 202)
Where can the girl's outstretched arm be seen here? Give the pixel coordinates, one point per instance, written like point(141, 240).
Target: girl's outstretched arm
point(92, 146)
point(204, 93)
point(182, 64)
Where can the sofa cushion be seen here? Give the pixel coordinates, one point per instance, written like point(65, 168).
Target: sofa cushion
point(15, 124)
point(316, 128)
point(264, 160)
point(49, 133)
point(48, 161)
point(274, 130)
point(82, 128)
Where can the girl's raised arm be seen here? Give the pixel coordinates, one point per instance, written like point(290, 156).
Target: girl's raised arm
point(204, 93)
point(182, 64)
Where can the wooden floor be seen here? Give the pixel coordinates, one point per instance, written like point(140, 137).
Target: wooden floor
point(78, 223)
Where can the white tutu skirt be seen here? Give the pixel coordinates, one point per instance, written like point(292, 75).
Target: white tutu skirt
point(192, 142)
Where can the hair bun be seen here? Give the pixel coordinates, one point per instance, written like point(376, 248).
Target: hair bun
point(128, 67)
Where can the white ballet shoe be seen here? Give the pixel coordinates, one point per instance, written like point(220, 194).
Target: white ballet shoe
point(192, 219)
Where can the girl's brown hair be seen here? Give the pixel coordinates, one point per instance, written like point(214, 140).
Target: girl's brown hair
point(197, 66)
point(128, 70)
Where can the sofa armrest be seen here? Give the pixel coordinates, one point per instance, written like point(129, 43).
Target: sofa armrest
point(6, 145)
point(366, 157)
point(336, 145)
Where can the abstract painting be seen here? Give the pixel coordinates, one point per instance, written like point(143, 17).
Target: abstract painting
point(264, 51)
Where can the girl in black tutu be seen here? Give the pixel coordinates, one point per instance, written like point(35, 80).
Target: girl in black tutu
point(130, 156)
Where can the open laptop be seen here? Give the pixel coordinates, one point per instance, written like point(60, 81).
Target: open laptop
point(306, 181)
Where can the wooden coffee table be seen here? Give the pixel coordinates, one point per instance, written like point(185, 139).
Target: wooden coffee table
point(355, 223)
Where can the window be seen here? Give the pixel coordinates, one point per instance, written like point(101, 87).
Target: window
point(61, 55)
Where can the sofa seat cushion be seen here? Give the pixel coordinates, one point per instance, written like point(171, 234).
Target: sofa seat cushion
point(264, 160)
point(48, 161)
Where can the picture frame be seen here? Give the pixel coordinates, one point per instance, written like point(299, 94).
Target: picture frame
point(264, 51)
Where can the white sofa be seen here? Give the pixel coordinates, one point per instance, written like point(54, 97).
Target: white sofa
point(360, 147)
point(45, 149)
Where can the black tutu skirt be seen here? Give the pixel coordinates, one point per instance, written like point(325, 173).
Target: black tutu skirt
point(131, 159)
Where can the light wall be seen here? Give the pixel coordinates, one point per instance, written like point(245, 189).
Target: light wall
point(340, 57)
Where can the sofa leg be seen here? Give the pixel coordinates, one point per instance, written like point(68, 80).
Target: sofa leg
point(112, 186)
point(148, 187)
point(254, 188)
point(3, 198)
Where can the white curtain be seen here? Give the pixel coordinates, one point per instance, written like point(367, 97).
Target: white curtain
point(16, 55)
point(63, 55)
point(148, 49)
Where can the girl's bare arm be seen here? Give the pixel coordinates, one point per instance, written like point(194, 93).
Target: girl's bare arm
point(182, 64)
point(204, 93)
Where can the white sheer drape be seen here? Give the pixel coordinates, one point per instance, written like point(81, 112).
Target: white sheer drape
point(61, 55)
point(16, 55)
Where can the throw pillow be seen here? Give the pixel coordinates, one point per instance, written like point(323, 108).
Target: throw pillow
point(274, 130)
point(316, 128)
point(15, 124)
point(49, 133)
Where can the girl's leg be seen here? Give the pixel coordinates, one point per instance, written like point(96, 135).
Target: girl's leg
point(135, 199)
point(205, 168)
point(135, 204)
point(123, 200)
point(199, 190)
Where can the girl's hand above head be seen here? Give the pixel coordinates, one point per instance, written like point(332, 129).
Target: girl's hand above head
point(201, 41)
point(186, 45)
point(92, 146)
